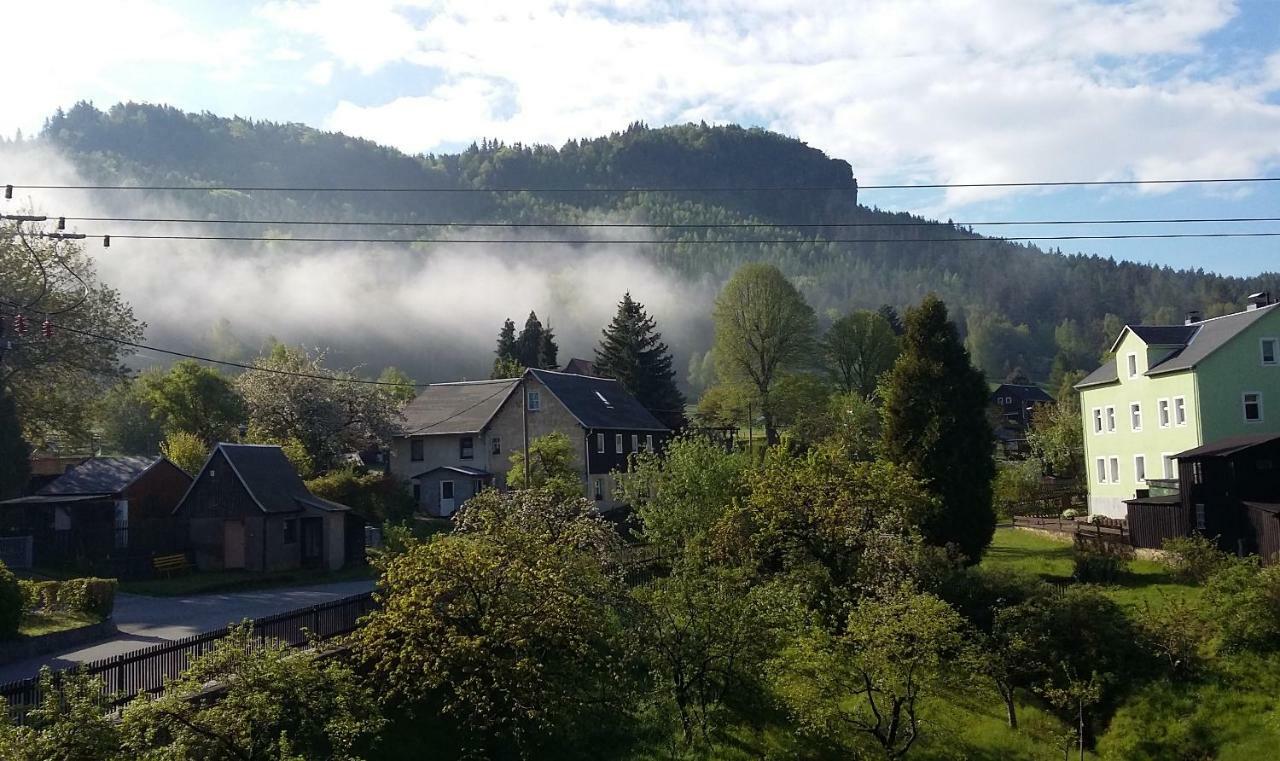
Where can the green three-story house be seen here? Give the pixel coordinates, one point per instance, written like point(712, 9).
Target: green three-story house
point(1170, 388)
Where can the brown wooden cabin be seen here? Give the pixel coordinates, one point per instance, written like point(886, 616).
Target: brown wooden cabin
point(1229, 490)
point(249, 509)
point(107, 515)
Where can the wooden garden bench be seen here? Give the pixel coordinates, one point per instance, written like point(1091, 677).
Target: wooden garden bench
point(169, 564)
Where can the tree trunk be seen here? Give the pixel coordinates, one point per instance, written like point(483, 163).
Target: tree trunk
point(1011, 711)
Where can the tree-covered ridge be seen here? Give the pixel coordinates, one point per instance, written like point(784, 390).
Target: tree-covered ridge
point(1010, 300)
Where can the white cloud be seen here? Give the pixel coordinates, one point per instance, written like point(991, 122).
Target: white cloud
point(959, 91)
point(321, 73)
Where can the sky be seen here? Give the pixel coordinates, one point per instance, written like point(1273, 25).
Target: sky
point(906, 91)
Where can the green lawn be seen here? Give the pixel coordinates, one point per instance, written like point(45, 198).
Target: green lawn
point(36, 624)
point(1146, 581)
point(208, 582)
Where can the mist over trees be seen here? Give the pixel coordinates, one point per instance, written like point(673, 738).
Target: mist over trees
point(1008, 300)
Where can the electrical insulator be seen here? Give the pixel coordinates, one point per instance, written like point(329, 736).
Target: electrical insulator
point(20, 325)
point(46, 328)
point(62, 223)
point(106, 241)
point(8, 192)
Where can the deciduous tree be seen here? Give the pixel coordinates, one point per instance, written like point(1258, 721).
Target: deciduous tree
point(763, 327)
point(859, 348)
point(191, 398)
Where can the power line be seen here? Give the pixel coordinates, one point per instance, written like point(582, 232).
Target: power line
point(666, 226)
point(692, 242)
point(657, 189)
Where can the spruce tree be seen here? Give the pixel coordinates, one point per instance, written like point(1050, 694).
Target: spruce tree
point(631, 350)
point(529, 344)
point(506, 361)
point(15, 465)
point(549, 351)
point(935, 423)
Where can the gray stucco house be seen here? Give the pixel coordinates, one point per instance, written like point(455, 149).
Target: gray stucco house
point(457, 438)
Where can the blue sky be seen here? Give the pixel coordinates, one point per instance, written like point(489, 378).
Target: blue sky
point(906, 91)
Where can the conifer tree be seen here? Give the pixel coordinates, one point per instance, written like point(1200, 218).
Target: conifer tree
point(506, 360)
point(631, 350)
point(935, 423)
point(548, 351)
point(529, 343)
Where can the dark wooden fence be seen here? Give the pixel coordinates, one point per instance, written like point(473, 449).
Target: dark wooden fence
point(1101, 529)
point(1150, 525)
point(125, 676)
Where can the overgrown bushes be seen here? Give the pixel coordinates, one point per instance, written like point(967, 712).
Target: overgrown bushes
point(1195, 558)
point(92, 596)
point(11, 599)
point(1100, 562)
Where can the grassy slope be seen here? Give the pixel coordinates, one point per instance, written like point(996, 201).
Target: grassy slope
point(36, 624)
point(1146, 581)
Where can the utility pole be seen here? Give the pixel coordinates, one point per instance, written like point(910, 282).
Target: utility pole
point(524, 425)
point(751, 431)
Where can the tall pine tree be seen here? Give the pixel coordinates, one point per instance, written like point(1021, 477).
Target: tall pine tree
point(631, 350)
point(548, 351)
point(507, 363)
point(529, 343)
point(935, 423)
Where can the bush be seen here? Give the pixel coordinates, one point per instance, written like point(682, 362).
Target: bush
point(1195, 558)
point(1244, 603)
point(1093, 567)
point(88, 595)
point(1069, 514)
point(10, 603)
point(375, 497)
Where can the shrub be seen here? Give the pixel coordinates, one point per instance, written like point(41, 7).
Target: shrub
point(1070, 513)
point(1195, 558)
point(1177, 634)
point(10, 603)
point(1093, 567)
point(1244, 603)
point(88, 595)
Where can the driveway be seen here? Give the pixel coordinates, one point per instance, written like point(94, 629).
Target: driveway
point(145, 621)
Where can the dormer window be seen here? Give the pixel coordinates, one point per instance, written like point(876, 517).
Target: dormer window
point(1133, 365)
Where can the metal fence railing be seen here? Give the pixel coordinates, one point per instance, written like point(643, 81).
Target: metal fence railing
point(146, 670)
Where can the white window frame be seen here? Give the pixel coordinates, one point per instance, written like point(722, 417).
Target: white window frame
point(1110, 413)
point(1200, 516)
point(1140, 468)
point(1275, 351)
point(1135, 416)
point(1169, 464)
point(1113, 469)
point(1101, 472)
point(648, 443)
point(1164, 413)
point(1244, 406)
point(599, 490)
point(617, 443)
point(1131, 364)
point(635, 442)
point(535, 401)
point(1098, 426)
point(1180, 411)
point(599, 443)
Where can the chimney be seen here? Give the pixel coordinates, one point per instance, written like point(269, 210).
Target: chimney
point(1258, 300)
point(1193, 316)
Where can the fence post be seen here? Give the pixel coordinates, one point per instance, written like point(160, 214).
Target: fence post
point(119, 674)
point(315, 620)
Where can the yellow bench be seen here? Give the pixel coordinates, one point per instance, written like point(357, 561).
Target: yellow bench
point(168, 564)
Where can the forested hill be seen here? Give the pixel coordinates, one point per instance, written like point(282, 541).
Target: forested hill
point(1021, 307)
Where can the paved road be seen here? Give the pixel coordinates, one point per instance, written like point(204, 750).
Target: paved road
point(145, 621)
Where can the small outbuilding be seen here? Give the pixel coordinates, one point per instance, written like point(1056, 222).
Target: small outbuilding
point(107, 514)
point(249, 509)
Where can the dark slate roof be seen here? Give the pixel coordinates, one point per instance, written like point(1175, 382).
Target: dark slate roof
point(1228, 446)
point(270, 478)
point(58, 499)
point(1028, 392)
point(1164, 335)
point(1266, 507)
point(452, 408)
point(1105, 374)
point(1192, 343)
point(1163, 499)
point(1210, 335)
point(465, 470)
point(598, 402)
point(100, 475)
